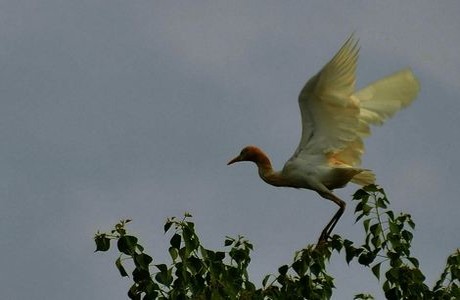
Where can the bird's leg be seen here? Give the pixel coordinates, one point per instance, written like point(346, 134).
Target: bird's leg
point(330, 226)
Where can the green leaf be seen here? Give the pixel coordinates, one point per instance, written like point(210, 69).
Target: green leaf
point(102, 242)
point(264, 281)
point(164, 277)
point(150, 293)
point(376, 270)
point(248, 245)
point(300, 267)
point(381, 203)
point(360, 194)
point(140, 275)
point(366, 225)
point(371, 188)
point(162, 267)
point(386, 286)
point(283, 269)
point(120, 267)
point(390, 214)
point(133, 293)
point(228, 241)
point(195, 264)
point(239, 255)
point(336, 242)
point(359, 217)
point(175, 241)
point(366, 209)
point(168, 225)
point(142, 260)
point(407, 235)
point(190, 225)
point(414, 261)
point(350, 251)
point(120, 228)
point(190, 239)
point(363, 297)
point(375, 229)
point(394, 228)
point(316, 268)
point(219, 255)
point(173, 252)
point(411, 223)
point(183, 253)
point(366, 258)
point(127, 244)
point(453, 259)
point(392, 275)
point(376, 241)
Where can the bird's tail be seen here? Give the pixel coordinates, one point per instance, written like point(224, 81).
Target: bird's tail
point(364, 178)
point(383, 98)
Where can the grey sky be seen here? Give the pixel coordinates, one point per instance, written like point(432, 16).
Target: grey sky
point(131, 109)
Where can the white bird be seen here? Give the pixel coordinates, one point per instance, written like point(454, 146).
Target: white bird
point(335, 119)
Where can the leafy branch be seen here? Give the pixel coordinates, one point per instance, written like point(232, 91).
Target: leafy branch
point(196, 272)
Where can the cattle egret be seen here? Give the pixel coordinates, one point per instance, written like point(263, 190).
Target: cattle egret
point(335, 119)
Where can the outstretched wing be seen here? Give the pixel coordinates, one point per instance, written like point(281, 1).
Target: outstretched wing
point(335, 118)
point(330, 116)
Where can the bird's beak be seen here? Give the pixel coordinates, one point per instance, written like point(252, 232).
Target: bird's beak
point(236, 159)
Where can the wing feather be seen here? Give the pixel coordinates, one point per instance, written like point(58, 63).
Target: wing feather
point(335, 118)
point(329, 115)
point(384, 97)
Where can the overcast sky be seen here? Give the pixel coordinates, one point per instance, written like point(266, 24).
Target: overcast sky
point(131, 109)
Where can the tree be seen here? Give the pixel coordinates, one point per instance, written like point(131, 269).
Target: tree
point(196, 272)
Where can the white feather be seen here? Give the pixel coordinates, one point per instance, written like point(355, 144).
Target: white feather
point(383, 98)
point(335, 117)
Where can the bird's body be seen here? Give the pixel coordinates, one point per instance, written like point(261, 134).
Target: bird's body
point(335, 119)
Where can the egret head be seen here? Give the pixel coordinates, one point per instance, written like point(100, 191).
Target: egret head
point(249, 153)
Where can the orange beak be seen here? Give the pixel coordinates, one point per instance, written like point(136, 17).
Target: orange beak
point(236, 159)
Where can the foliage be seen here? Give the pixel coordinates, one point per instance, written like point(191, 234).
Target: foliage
point(199, 273)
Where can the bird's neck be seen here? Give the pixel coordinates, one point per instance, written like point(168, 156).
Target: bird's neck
point(266, 171)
